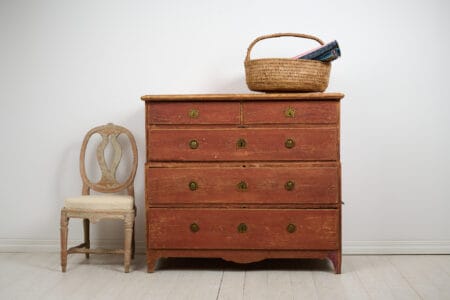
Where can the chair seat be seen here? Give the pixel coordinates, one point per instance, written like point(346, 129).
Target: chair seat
point(99, 202)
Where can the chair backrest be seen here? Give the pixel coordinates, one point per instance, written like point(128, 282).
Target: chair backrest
point(108, 182)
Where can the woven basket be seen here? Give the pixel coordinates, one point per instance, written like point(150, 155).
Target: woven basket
point(286, 74)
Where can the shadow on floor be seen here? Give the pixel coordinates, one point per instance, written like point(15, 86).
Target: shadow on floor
point(268, 264)
point(203, 264)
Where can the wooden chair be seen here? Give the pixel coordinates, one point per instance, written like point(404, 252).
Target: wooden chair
point(92, 208)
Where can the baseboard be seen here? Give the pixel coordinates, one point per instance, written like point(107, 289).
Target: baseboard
point(349, 247)
point(396, 247)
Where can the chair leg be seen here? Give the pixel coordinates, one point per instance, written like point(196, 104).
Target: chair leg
point(133, 243)
point(128, 223)
point(87, 241)
point(64, 232)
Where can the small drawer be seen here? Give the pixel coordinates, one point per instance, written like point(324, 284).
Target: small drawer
point(282, 229)
point(291, 112)
point(238, 144)
point(243, 185)
point(193, 113)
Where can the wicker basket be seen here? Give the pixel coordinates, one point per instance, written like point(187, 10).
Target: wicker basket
point(286, 74)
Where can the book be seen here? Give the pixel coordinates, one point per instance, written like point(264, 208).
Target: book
point(325, 53)
point(329, 55)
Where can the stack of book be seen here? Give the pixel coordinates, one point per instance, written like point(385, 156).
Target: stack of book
point(325, 53)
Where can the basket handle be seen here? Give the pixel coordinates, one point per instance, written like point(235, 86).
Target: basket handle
point(275, 35)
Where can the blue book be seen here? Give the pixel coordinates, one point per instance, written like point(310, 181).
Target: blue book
point(329, 55)
point(325, 53)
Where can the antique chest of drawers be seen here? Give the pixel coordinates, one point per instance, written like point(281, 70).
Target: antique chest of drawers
point(243, 177)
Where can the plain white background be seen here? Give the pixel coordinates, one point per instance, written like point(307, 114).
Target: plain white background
point(67, 66)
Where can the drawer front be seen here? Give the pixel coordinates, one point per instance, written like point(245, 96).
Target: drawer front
point(243, 185)
point(303, 144)
point(291, 112)
point(243, 228)
point(193, 113)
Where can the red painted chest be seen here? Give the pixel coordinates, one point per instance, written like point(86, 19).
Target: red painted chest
point(243, 177)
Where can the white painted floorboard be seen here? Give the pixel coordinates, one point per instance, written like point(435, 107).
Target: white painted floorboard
point(38, 276)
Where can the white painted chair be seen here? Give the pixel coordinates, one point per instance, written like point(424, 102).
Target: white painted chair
point(92, 208)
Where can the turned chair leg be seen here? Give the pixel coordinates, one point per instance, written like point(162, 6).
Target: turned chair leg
point(64, 232)
point(87, 242)
point(133, 243)
point(128, 224)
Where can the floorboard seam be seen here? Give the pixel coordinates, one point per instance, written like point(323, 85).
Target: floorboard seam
point(404, 277)
point(220, 285)
point(361, 282)
point(243, 285)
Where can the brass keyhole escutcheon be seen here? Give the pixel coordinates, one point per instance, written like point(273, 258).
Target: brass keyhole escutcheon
point(289, 112)
point(193, 113)
point(289, 185)
point(193, 144)
point(193, 185)
point(242, 186)
point(241, 143)
point(290, 143)
point(194, 227)
point(242, 228)
point(291, 228)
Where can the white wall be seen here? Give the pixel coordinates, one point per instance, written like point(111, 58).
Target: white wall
point(66, 66)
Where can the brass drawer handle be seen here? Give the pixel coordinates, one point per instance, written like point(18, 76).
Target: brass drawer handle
point(193, 185)
point(289, 185)
point(289, 112)
point(194, 227)
point(241, 143)
point(193, 144)
point(193, 113)
point(242, 228)
point(291, 228)
point(290, 143)
point(242, 186)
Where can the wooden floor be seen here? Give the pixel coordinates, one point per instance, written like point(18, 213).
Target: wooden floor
point(38, 276)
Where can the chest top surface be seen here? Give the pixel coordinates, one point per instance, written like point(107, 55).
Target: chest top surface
point(244, 97)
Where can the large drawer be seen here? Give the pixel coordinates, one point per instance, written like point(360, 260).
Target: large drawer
point(291, 112)
point(243, 144)
point(243, 185)
point(243, 228)
point(193, 113)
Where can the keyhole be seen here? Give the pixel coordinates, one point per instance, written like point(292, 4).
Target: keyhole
point(241, 143)
point(242, 186)
point(289, 112)
point(242, 228)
